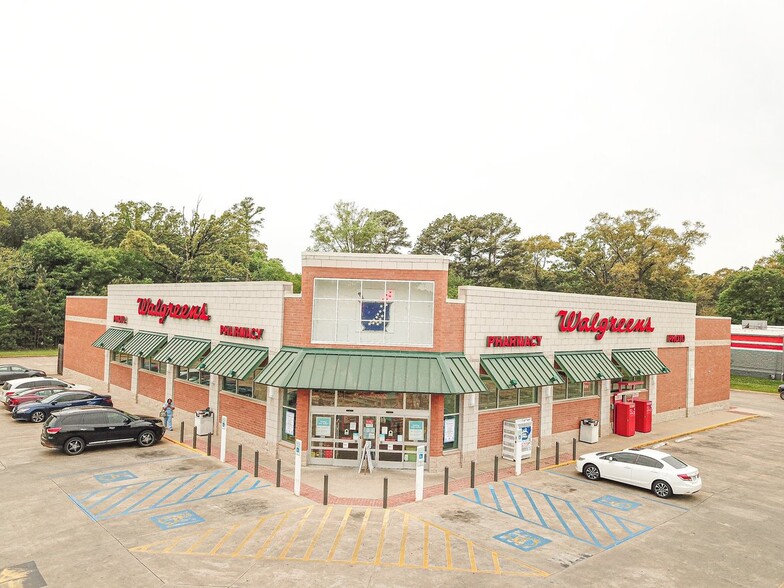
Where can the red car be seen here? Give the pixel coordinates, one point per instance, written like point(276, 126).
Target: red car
point(32, 395)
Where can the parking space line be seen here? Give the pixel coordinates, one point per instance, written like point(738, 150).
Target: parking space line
point(339, 534)
point(223, 539)
point(267, 543)
point(382, 535)
point(360, 535)
point(402, 559)
point(296, 532)
point(316, 536)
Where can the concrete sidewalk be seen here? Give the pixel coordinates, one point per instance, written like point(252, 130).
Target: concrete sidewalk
point(348, 486)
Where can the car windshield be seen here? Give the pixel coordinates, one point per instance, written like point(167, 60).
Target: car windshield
point(674, 462)
point(128, 415)
point(51, 399)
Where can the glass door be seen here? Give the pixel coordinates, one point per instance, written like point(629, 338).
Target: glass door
point(390, 441)
point(322, 442)
point(347, 439)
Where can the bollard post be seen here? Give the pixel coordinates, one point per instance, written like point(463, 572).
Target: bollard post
point(239, 456)
point(446, 481)
point(386, 490)
point(194, 437)
point(209, 444)
point(495, 469)
point(182, 431)
point(557, 452)
point(277, 475)
point(256, 464)
point(326, 489)
point(473, 473)
point(538, 451)
point(574, 448)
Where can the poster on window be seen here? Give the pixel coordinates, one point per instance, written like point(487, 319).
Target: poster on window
point(289, 423)
point(416, 430)
point(323, 426)
point(449, 430)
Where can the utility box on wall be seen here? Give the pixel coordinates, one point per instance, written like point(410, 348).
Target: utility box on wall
point(514, 429)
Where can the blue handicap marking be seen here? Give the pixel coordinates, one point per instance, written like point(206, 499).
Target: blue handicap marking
point(175, 520)
point(522, 540)
point(114, 477)
point(615, 502)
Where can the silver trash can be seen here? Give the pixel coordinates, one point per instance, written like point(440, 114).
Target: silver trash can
point(589, 431)
point(204, 421)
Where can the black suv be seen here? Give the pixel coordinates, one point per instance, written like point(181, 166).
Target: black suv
point(73, 429)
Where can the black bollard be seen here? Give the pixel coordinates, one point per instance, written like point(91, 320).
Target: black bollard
point(557, 452)
point(277, 476)
point(209, 444)
point(574, 448)
point(473, 473)
point(194, 437)
point(446, 481)
point(182, 431)
point(495, 469)
point(256, 464)
point(239, 456)
point(538, 451)
point(386, 491)
point(326, 489)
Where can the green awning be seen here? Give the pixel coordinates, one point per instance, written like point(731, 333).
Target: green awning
point(183, 351)
point(113, 338)
point(587, 366)
point(639, 362)
point(233, 360)
point(144, 344)
point(371, 371)
point(519, 370)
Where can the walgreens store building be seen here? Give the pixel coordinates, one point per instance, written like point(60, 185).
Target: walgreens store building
point(373, 351)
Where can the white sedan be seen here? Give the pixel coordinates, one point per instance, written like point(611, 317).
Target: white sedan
point(660, 472)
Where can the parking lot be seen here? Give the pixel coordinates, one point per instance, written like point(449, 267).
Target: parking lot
point(168, 515)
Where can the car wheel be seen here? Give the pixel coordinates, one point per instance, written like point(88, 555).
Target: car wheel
point(73, 446)
point(38, 416)
point(661, 489)
point(146, 438)
point(781, 394)
point(591, 472)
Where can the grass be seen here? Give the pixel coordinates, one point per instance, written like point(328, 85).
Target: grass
point(30, 353)
point(754, 384)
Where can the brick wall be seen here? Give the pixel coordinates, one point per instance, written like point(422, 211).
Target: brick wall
point(711, 374)
point(120, 375)
point(712, 328)
point(243, 414)
point(79, 354)
point(190, 398)
point(491, 424)
point(152, 386)
point(671, 388)
point(437, 425)
point(302, 426)
point(567, 415)
point(86, 306)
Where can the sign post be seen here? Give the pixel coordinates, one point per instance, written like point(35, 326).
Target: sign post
point(224, 421)
point(297, 465)
point(518, 455)
point(420, 473)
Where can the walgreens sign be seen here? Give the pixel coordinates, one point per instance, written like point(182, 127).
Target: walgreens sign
point(571, 320)
point(164, 310)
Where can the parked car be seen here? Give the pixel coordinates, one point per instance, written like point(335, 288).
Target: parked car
point(781, 391)
point(38, 382)
point(73, 429)
point(662, 473)
point(38, 412)
point(12, 371)
point(34, 395)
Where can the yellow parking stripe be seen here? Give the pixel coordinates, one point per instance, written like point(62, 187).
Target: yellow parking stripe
point(199, 541)
point(266, 544)
point(402, 560)
point(295, 533)
point(318, 533)
point(381, 537)
point(339, 534)
point(424, 547)
point(361, 535)
point(250, 535)
point(224, 539)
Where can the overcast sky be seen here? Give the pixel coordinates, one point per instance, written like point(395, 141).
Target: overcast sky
point(548, 112)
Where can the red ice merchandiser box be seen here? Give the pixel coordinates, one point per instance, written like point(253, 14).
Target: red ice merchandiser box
point(624, 419)
point(643, 410)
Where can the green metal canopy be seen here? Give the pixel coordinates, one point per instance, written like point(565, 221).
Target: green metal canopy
point(519, 370)
point(113, 338)
point(233, 360)
point(371, 371)
point(639, 362)
point(587, 366)
point(182, 351)
point(144, 344)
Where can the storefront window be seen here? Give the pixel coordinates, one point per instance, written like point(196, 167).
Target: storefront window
point(148, 364)
point(495, 398)
point(122, 358)
point(322, 398)
point(451, 421)
point(373, 312)
point(289, 430)
point(247, 387)
point(417, 401)
point(193, 375)
point(570, 390)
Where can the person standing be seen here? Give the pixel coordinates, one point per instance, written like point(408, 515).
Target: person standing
point(168, 414)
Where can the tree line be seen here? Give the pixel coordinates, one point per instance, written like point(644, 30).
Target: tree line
point(48, 253)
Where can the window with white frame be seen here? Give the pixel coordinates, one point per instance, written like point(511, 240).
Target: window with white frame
point(571, 389)
point(373, 312)
point(248, 387)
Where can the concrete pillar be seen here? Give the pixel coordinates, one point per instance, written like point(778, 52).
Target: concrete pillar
point(272, 424)
point(135, 378)
point(690, 382)
point(546, 415)
point(605, 397)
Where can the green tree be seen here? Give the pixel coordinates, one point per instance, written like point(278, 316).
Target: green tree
point(757, 293)
point(708, 287)
point(392, 235)
point(264, 269)
point(349, 229)
point(440, 237)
